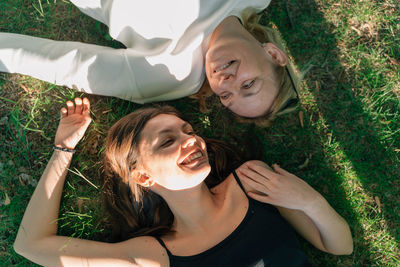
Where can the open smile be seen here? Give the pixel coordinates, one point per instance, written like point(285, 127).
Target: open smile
point(194, 158)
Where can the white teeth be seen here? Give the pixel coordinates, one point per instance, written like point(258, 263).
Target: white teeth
point(193, 157)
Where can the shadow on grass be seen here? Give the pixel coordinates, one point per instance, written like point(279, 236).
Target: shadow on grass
point(310, 37)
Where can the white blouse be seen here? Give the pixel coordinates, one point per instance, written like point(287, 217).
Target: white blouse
point(166, 42)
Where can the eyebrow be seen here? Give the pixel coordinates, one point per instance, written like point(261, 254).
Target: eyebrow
point(165, 131)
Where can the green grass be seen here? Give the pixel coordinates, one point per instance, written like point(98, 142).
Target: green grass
point(348, 148)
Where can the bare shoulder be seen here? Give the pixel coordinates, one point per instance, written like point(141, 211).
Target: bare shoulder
point(229, 188)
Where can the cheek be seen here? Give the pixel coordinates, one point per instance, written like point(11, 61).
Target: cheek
point(160, 166)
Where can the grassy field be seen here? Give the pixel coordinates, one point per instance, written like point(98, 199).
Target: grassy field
point(346, 146)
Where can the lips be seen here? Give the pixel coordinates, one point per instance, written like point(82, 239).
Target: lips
point(193, 157)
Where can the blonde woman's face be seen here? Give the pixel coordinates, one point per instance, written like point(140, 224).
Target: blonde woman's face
point(171, 154)
point(241, 73)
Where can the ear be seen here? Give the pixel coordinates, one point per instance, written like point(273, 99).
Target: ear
point(142, 178)
point(277, 55)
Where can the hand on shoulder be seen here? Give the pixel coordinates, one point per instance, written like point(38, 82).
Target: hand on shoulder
point(276, 186)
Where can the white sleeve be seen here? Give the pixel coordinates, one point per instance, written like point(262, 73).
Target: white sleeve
point(97, 9)
point(90, 68)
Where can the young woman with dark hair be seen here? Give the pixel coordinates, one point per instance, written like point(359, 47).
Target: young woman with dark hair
point(172, 205)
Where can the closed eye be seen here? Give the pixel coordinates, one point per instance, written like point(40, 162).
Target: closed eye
point(167, 142)
point(248, 84)
point(225, 96)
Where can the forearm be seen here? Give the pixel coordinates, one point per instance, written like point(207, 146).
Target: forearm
point(40, 218)
point(86, 67)
point(334, 231)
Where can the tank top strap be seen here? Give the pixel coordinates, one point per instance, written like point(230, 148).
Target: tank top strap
point(238, 181)
point(163, 245)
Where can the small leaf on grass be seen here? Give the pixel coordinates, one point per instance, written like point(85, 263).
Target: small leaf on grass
point(378, 203)
point(301, 118)
point(7, 201)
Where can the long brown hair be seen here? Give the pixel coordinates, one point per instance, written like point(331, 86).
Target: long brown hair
point(136, 210)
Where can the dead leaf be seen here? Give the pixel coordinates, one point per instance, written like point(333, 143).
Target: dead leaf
point(7, 201)
point(25, 89)
point(356, 30)
point(378, 203)
point(301, 118)
point(306, 162)
point(21, 181)
point(80, 203)
point(25, 179)
point(317, 87)
point(106, 111)
point(394, 62)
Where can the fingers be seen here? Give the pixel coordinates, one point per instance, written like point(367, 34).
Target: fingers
point(70, 107)
point(279, 170)
point(253, 175)
point(262, 169)
point(261, 188)
point(86, 105)
point(259, 197)
point(79, 107)
point(64, 113)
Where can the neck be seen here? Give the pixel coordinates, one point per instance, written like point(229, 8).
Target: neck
point(229, 28)
point(192, 208)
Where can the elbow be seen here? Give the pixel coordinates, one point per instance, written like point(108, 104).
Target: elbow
point(21, 246)
point(346, 248)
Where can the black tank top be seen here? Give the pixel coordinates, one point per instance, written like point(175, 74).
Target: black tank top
point(263, 238)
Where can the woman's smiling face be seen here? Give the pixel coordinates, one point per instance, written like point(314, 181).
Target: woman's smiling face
point(241, 70)
point(242, 74)
point(171, 154)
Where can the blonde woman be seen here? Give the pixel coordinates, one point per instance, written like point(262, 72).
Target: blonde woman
point(171, 47)
point(166, 193)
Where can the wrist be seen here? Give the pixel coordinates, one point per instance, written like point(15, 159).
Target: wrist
point(63, 149)
point(315, 205)
point(62, 156)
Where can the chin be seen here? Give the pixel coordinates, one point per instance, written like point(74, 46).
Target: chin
point(189, 181)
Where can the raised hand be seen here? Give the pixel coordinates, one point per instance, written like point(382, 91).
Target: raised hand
point(74, 121)
point(276, 186)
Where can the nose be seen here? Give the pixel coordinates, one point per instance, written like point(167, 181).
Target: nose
point(226, 76)
point(190, 141)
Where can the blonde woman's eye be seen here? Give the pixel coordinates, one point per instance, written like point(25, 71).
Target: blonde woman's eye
point(248, 84)
point(224, 96)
